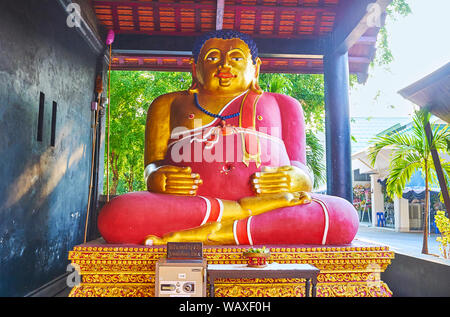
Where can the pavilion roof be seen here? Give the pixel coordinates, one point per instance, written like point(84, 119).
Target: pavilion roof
point(432, 92)
point(291, 34)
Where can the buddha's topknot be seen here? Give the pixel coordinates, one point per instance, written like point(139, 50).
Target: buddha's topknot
point(226, 35)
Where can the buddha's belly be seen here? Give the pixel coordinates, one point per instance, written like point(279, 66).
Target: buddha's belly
point(219, 161)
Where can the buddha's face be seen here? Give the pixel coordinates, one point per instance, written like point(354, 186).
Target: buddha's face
point(226, 67)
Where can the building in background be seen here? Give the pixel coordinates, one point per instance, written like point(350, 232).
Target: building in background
point(364, 129)
point(401, 213)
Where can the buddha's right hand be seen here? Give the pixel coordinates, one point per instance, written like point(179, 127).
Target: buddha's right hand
point(174, 180)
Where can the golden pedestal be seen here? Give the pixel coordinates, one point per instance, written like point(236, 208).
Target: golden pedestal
point(129, 270)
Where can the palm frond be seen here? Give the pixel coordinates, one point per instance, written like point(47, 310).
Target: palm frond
point(441, 137)
point(314, 157)
point(279, 83)
point(400, 172)
point(397, 141)
point(420, 119)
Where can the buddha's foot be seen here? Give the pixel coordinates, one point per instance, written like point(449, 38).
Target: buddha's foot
point(300, 198)
point(199, 234)
point(154, 240)
point(267, 202)
point(289, 199)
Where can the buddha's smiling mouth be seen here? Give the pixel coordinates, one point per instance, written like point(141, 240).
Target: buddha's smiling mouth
point(225, 75)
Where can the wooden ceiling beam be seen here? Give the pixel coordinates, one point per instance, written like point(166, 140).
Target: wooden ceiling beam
point(156, 22)
point(178, 63)
point(353, 19)
point(155, 4)
point(432, 92)
point(318, 19)
point(279, 64)
point(137, 26)
point(175, 44)
point(115, 17)
point(87, 32)
point(351, 27)
point(220, 9)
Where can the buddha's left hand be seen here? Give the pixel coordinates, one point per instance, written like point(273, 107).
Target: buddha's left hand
point(273, 180)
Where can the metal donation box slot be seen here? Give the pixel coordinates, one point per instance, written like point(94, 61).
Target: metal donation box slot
point(183, 272)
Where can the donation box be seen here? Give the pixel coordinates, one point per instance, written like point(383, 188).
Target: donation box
point(182, 273)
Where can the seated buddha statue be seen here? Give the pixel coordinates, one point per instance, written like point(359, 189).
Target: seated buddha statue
point(226, 163)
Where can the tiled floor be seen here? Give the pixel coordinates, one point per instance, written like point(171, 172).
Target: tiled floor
point(409, 243)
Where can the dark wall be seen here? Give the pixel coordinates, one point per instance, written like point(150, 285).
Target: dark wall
point(409, 276)
point(43, 188)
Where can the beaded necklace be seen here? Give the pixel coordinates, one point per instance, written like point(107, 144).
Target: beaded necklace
point(223, 118)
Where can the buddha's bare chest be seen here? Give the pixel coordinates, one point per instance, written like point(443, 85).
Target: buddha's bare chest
point(184, 112)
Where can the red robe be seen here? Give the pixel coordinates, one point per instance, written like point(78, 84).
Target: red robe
point(268, 132)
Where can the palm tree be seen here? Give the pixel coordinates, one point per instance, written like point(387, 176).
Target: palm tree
point(411, 151)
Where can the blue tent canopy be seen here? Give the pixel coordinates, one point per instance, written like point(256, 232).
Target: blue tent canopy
point(415, 189)
point(417, 184)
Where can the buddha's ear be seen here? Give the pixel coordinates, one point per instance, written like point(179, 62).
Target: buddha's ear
point(194, 86)
point(257, 67)
point(255, 83)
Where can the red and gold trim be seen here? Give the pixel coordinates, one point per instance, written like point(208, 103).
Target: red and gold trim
point(247, 119)
point(327, 219)
point(129, 270)
point(214, 210)
point(241, 232)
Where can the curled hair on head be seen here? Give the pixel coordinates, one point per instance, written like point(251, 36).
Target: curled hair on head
point(225, 35)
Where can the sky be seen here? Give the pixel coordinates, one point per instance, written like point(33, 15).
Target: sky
point(420, 44)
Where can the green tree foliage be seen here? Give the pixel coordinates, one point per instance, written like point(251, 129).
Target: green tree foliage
point(309, 91)
point(306, 88)
point(315, 152)
point(411, 151)
point(443, 224)
point(131, 95)
point(395, 9)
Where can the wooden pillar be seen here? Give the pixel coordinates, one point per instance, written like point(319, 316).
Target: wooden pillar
point(337, 126)
point(219, 14)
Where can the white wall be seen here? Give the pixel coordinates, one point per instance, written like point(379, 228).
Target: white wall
point(401, 214)
point(377, 198)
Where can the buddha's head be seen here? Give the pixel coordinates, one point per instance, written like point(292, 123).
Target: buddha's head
point(225, 62)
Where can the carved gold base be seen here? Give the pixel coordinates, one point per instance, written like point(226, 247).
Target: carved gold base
point(129, 270)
